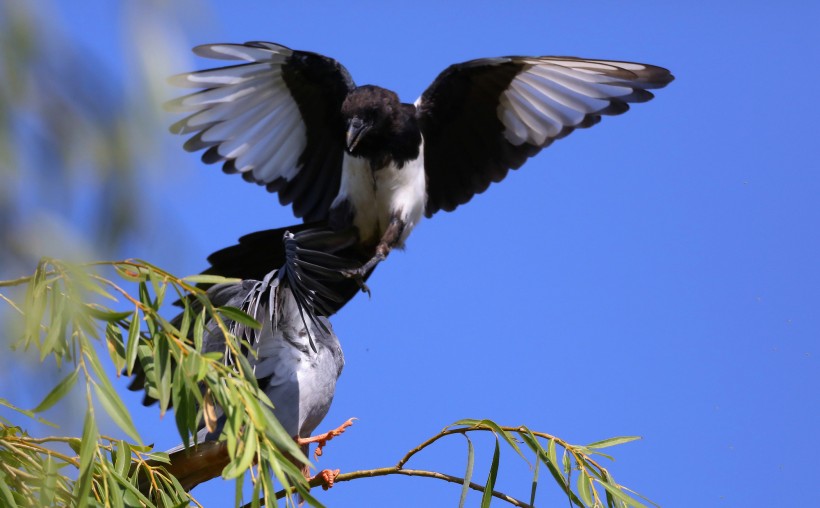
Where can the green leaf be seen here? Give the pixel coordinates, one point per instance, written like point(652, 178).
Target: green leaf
point(145, 296)
point(488, 488)
point(161, 457)
point(116, 348)
point(88, 447)
point(47, 491)
point(584, 488)
point(5, 492)
point(534, 481)
point(241, 464)
point(613, 441)
point(551, 455)
point(468, 475)
point(199, 330)
point(185, 325)
point(130, 489)
point(162, 366)
point(56, 328)
point(123, 461)
point(131, 273)
point(238, 316)
point(616, 492)
point(506, 435)
point(209, 279)
point(562, 482)
point(133, 342)
point(115, 408)
point(105, 315)
point(58, 392)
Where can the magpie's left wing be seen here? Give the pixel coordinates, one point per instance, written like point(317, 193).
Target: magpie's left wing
point(484, 117)
point(275, 118)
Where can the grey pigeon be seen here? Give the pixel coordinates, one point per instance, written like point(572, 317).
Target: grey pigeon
point(296, 356)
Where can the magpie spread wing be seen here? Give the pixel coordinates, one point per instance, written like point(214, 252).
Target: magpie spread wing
point(274, 118)
point(484, 117)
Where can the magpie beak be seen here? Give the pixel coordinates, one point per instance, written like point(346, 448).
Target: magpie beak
point(356, 129)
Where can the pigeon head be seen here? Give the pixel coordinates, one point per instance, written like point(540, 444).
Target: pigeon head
point(369, 112)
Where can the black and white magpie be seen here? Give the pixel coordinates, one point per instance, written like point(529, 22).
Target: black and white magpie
point(356, 158)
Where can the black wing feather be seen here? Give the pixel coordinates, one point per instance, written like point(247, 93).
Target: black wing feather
point(484, 117)
point(275, 119)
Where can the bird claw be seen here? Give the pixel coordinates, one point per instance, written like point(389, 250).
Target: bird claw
point(357, 274)
point(326, 477)
point(322, 439)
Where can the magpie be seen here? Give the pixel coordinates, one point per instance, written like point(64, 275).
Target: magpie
point(356, 158)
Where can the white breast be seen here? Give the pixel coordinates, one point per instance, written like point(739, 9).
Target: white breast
point(377, 197)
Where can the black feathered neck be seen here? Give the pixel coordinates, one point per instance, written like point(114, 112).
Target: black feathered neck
point(392, 134)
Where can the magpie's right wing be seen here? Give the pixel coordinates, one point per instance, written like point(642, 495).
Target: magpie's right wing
point(274, 118)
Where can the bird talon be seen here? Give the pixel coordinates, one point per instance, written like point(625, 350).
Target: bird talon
point(322, 439)
point(358, 275)
point(326, 478)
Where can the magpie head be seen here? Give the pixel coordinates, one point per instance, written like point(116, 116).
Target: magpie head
point(369, 112)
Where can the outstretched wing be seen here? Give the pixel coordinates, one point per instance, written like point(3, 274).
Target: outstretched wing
point(274, 118)
point(484, 117)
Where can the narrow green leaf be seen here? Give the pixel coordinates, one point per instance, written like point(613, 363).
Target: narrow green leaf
point(47, 491)
point(162, 367)
point(238, 316)
point(133, 342)
point(488, 488)
point(182, 410)
point(161, 457)
point(199, 330)
point(506, 435)
point(615, 491)
point(583, 488)
point(613, 441)
point(88, 448)
point(123, 461)
point(246, 370)
point(56, 327)
point(58, 392)
point(553, 457)
point(185, 325)
point(145, 296)
point(632, 492)
point(534, 481)
point(86, 282)
point(5, 492)
point(239, 465)
point(209, 279)
point(105, 314)
point(239, 493)
point(115, 408)
point(116, 347)
point(213, 355)
point(562, 481)
point(131, 490)
point(468, 475)
point(130, 273)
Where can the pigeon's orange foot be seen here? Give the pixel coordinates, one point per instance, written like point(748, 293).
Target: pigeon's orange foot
point(325, 478)
point(322, 439)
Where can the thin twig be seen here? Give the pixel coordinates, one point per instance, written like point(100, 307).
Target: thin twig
point(387, 471)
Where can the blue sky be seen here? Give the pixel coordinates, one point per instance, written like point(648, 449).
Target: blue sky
point(656, 275)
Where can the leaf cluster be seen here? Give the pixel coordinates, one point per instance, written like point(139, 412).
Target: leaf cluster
point(60, 321)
